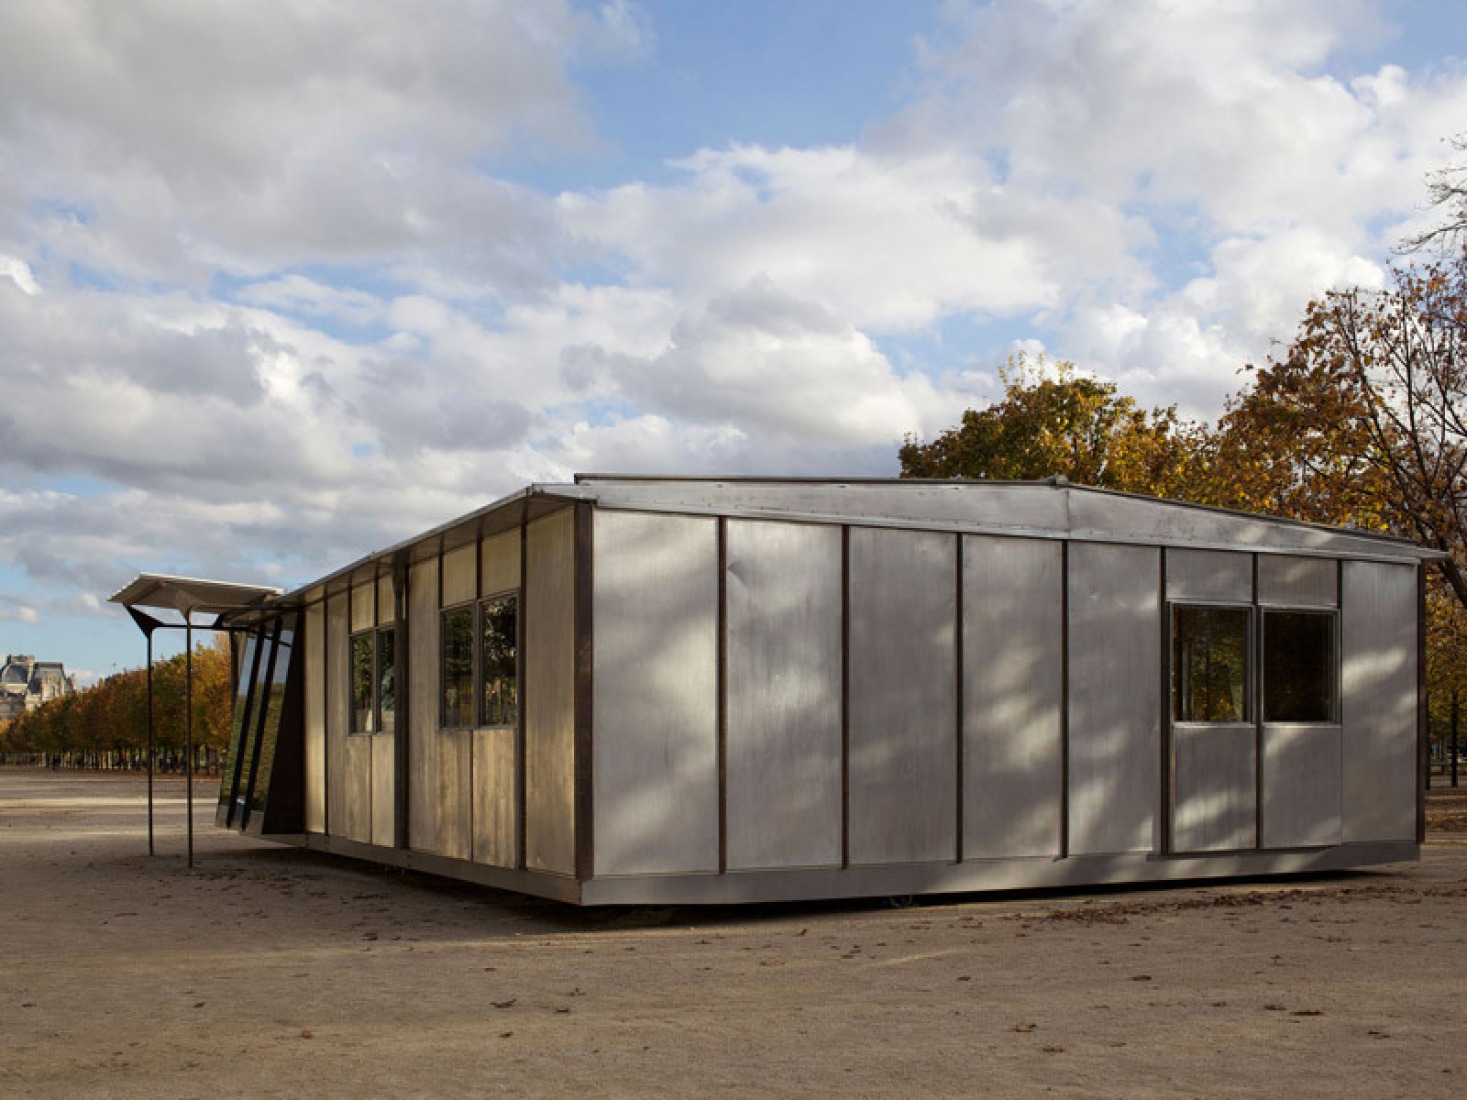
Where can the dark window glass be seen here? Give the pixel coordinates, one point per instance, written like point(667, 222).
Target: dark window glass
point(362, 678)
point(387, 679)
point(458, 667)
point(1298, 666)
point(498, 667)
point(270, 731)
point(1209, 664)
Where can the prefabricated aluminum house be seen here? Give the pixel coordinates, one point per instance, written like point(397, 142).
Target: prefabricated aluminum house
point(658, 690)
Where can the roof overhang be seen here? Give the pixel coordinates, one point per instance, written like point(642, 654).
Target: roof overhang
point(190, 596)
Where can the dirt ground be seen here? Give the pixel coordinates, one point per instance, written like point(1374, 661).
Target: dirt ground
point(266, 971)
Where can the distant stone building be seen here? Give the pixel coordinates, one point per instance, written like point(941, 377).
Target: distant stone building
point(26, 683)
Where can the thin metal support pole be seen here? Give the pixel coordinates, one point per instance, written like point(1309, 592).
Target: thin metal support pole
point(188, 728)
point(150, 743)
point(1455, 713)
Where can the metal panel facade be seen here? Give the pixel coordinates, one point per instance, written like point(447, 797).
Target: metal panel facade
point(460, 579)
point(383, 818)
point(500, 564)
point(496, 834)
point(1287, 581)
point(1301, 786)
point(338, 674)
point(1013, 697)
point(549, 671)
point(423, 706)
point(902, 696)
point(357, 800)
point(1209, 576)
point(655, 760)
point(1215, 788)
point(455, 778)
point(363, 606)
point(1379, 649)
point(783, 745)
point(1115, 698)
point(314, 761)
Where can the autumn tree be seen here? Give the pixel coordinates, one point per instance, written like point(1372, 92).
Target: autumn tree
point(1054, 421)
point(1362, 419)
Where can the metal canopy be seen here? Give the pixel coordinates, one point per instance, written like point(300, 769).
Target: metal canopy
point(190, 595)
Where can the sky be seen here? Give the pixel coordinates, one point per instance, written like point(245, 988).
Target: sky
point(284, 283)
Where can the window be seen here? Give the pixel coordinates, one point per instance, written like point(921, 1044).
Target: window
point(480, 661)
point(499, 647)
point(1210, 664)
point(387, 680)
point(1299, 666)
point(373, 676)
point(458, 668)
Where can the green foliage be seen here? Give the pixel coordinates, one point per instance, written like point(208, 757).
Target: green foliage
point(1054, 421)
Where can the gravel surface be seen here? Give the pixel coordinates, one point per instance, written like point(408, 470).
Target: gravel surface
point(266, 971)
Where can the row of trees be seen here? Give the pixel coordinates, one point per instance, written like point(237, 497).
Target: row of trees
point(107, 725)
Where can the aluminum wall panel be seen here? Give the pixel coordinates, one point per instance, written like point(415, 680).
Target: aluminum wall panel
point(454, 792)
point(1214, 788)
point(1298, 582)
point(314, 762)
point(338, 678)
point(384, 819)
point(1378, 702)
point(460, 577)
point(496, 834)
point(783, 745)
point(385, 605)
point(1013, 697)
point(1301, 786)
point(363, 606)
point(500, 563)
point(357, 812)
point(1209, 576)
point(423, 701)
point(655, 693)
point(1114, 698)
point(549, 669)
point(902, 696)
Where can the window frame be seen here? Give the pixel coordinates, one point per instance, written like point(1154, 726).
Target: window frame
point(476, 709)
point(1252, 680)
point(1336, 670)
point(372, 635)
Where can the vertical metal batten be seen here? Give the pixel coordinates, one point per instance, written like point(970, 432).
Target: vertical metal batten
point(326, 708)
point(1255, 699)
point(1423, 760)
point(959, 769)
point(585, 818)
point(721, 680)
point(845, 695)
point(402, 724)
point(1168, 749)
point(522, 630)
point(1064, 791)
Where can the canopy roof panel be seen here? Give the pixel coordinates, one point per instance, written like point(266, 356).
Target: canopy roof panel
point(191, 595)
